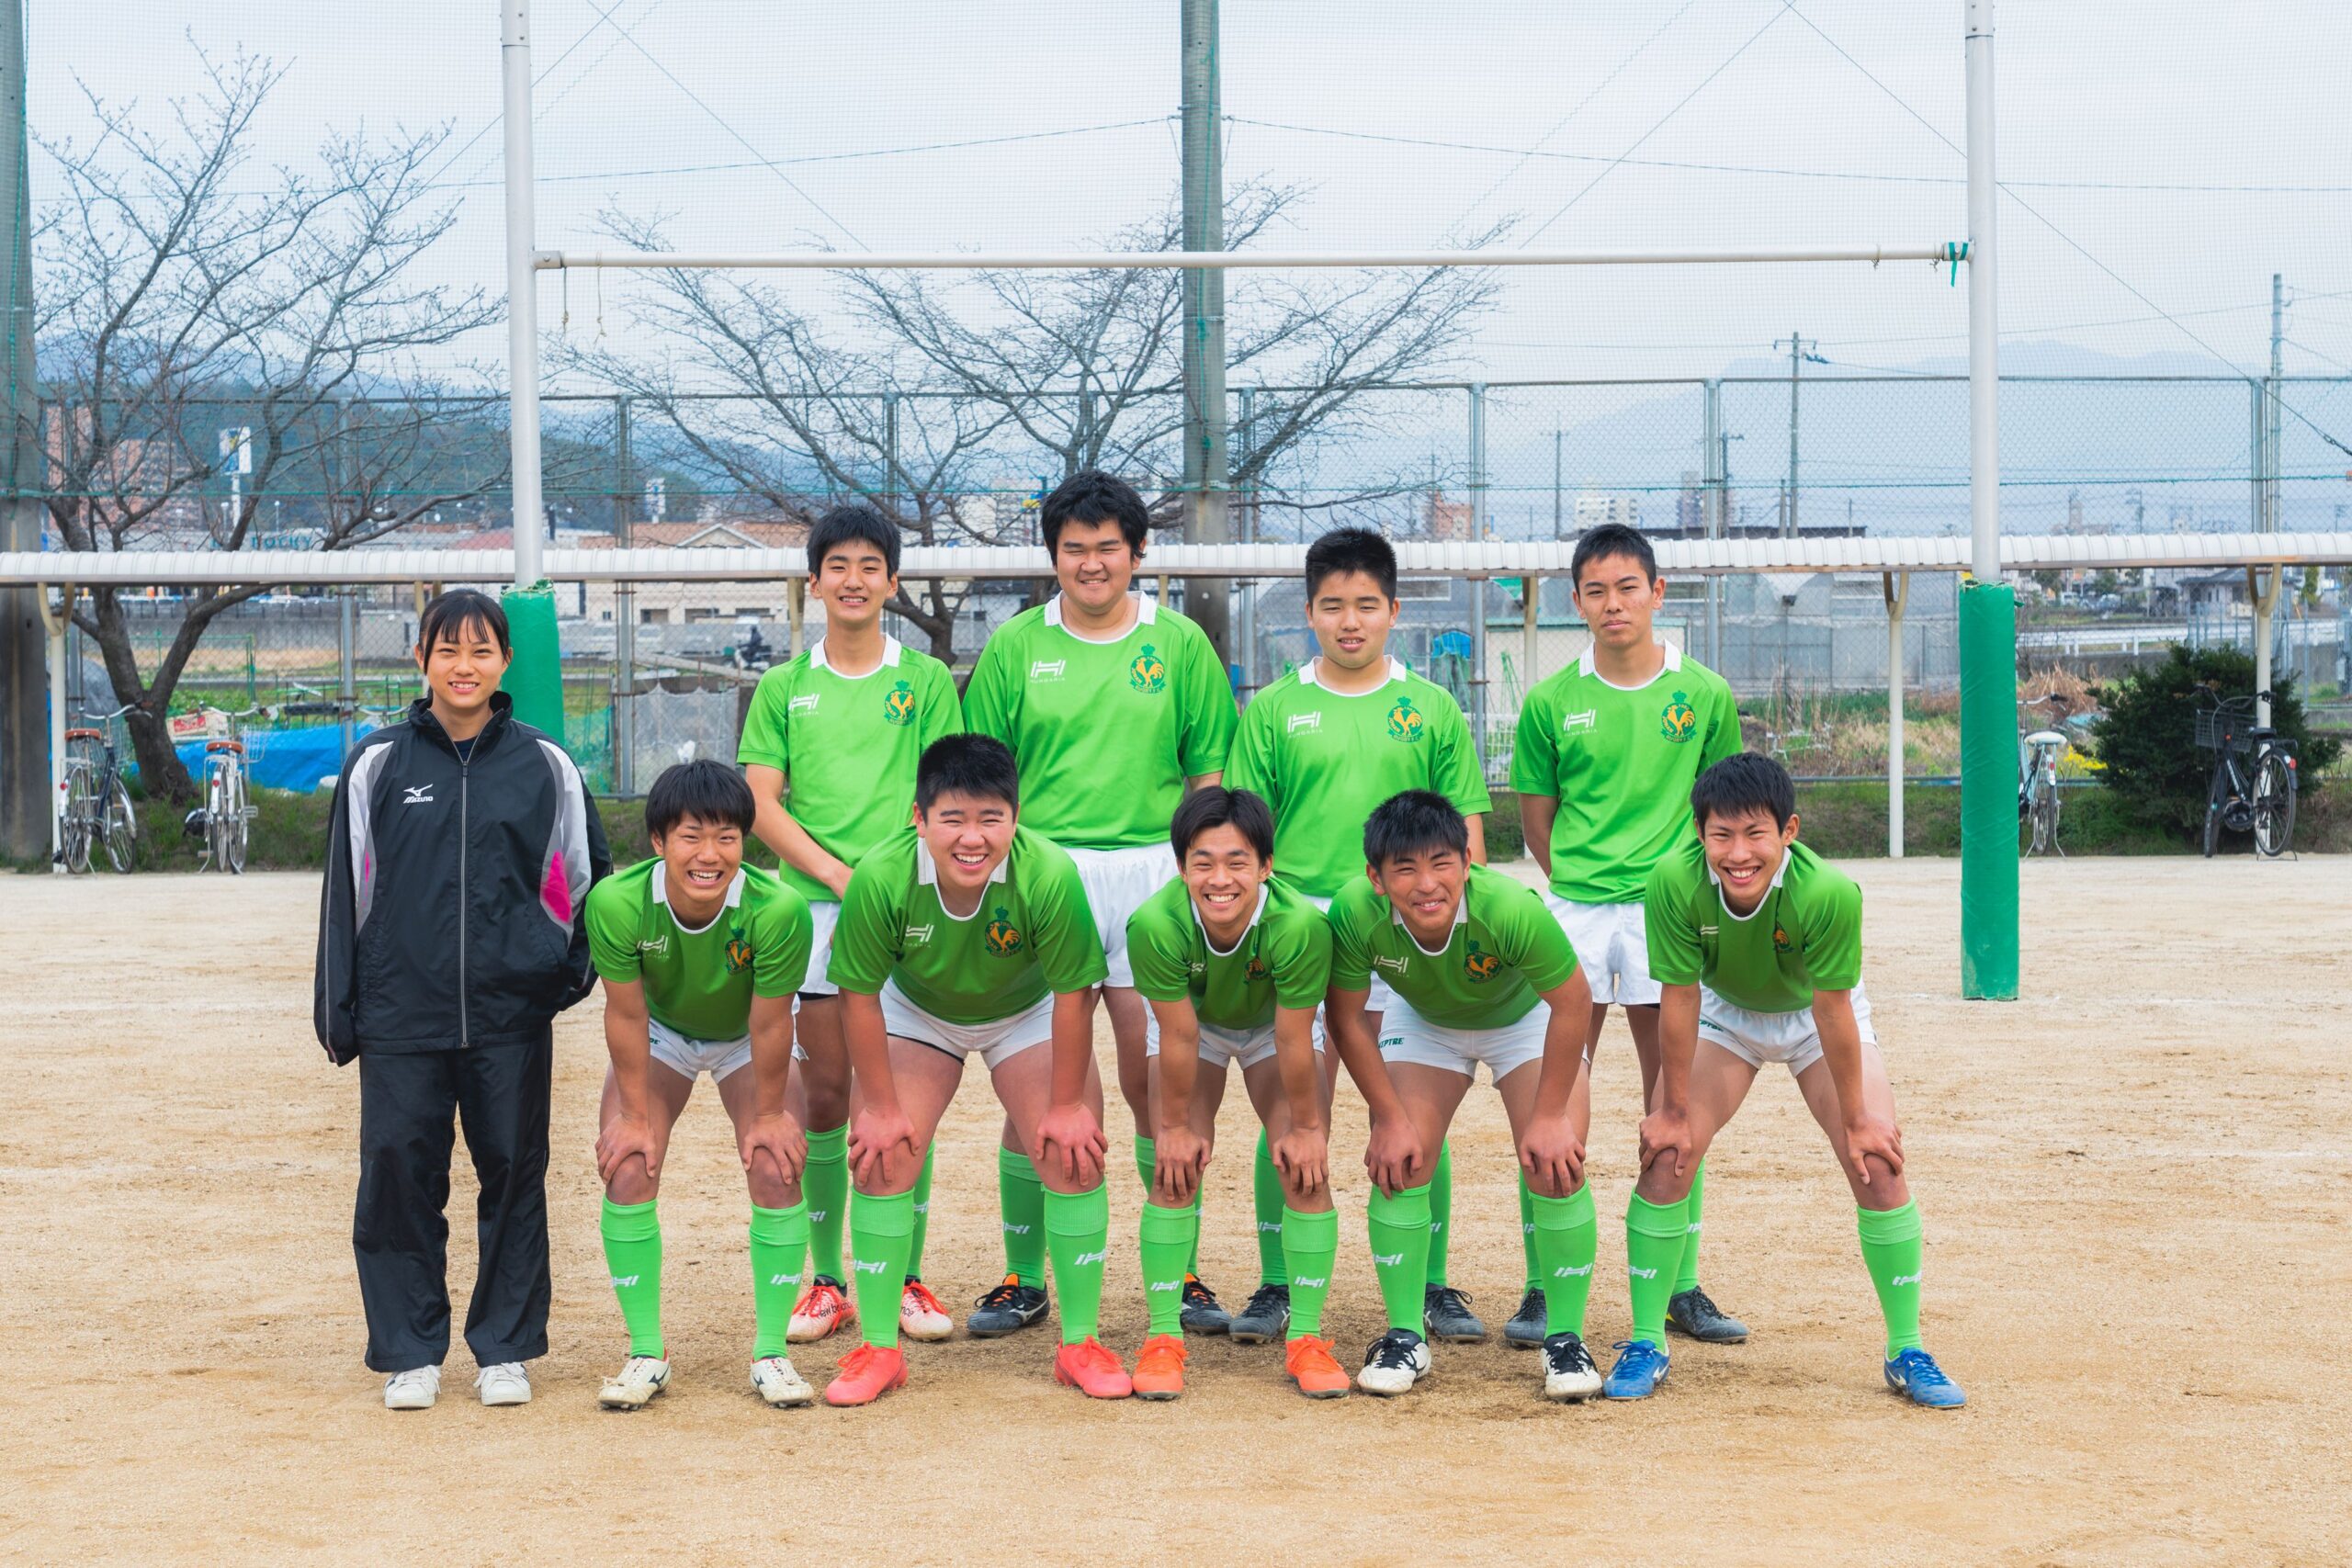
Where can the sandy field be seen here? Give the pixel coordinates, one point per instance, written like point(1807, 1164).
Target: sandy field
point(2135, 1183)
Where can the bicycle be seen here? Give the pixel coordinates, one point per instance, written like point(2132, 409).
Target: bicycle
point(223, 817)
point(97, 801)
point(2038, 790)
point(2258, 794)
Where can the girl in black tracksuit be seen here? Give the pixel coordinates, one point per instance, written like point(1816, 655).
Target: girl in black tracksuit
point(462, 849)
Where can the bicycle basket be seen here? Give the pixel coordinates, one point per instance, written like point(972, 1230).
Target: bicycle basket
point(2225, 730)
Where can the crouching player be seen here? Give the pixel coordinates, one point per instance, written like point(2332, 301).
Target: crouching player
point(700, 955)
point(1758, 944)
point(1234, 963)
point(1481, 972)
point(969, 933)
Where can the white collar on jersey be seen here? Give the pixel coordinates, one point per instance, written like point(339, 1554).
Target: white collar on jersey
point(1461, 917)
point(1769, 888)
point(1673, 666)
point(927, 875)
point(889, 657)
point(1307, 674)
point(1214, 950)
point(1147, 614)
point(662, 896)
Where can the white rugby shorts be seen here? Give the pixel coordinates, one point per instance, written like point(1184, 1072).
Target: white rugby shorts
point(1117, 884)
point(997, 1040)
point(1222, 1047)
point(692, 1059)
point(1406, 1036)
point(1756, 1038)
point(1612, 949)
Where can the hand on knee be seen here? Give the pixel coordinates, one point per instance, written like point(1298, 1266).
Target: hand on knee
point(632, 1184)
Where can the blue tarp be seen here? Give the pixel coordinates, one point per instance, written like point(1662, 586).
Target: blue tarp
point(284, 759)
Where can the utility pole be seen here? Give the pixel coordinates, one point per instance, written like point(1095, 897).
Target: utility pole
point(1797, 356)
point(2265, 520)
point(25, 796)
point(522, 291)
point(1206, 459)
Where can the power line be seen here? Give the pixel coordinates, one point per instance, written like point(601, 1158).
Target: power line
point(586, 33)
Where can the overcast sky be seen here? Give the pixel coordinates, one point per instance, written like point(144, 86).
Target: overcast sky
point(2157, 136)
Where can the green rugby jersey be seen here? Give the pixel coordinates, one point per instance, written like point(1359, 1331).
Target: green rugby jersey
point(700, 983)
point(1105, 733)
point(1621, 763)
point(1505, 949)
point(1806, 934)
point(1032, 934)
point(847, 745)
point(1323, 761)
point(1285, 957)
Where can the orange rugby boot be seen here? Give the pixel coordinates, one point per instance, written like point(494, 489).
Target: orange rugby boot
point(1160, 1368)
point(1091, 1370)
point(866, 1375)
point(1308, 1362)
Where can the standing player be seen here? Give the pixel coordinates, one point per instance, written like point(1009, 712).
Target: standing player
point(700, 955)
point(1234, 964)
point(969, 932)
point(1113, 705)
point(1480, 973)
point(1605, 757)
point(1759, 945)
point(840, 729)
point(1325, 745)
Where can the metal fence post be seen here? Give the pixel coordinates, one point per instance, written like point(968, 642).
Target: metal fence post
point(1897, 586)
point(624, 693)
point(1711, 464)
point(347, 684)
point(1478, 666)
point(1478, 465)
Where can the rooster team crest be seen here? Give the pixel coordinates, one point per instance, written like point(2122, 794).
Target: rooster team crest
point(1004, 936)
point(1780, 943)
point(1479, 964)
point(1404, 721)
point(898, 703)
point(738, 953)
point(1148, 673)
point(1678, 721)
point(1254, 971)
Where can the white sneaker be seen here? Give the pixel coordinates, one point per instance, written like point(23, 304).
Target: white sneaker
point(640, 1378)
point(1569, 1374)
point(773, 1379)
point(921, 1316)
point(506, 1383)
point(414, 1389)
point(1397, 1360)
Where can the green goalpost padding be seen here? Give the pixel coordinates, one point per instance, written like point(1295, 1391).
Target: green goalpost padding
point(534, 681)
point(1988, 791)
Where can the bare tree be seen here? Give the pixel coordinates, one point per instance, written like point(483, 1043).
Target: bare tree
point(186, 286)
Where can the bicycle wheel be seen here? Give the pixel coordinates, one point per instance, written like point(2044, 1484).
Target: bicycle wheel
point(121, 826)
point(2274, 806)
point(235, 837)
point(216, 843)
point(80, 817)
point(2214, 799)
point(2045, 817)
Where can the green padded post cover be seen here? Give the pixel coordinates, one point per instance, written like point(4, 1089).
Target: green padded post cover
point(1988, 791)
point(534, 681)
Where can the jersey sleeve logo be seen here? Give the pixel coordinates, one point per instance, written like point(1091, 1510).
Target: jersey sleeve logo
point(738, 953)
point(1002, 936)
point(1147, 674)
point(1478, 965)
point(1678, 721)
point(898, 705)
point(1404, 721)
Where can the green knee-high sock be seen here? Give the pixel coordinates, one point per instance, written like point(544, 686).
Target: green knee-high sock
point(1567, 1237)
point(779, 1247)
point(1527, 1234)
point(1021, 1198)
point(1892, 1250)
point(1077, 1233)
point(1688, 1280)
point(1148, 1168)
point(1654, 1233)
point(881, 1230)
point(1441, 1210)
point(1310, 1248)
point(1266, 1182)
point(633, 1253)
point(825, 1184)
point(1400, 1244)
point(923, 1216)
point(1166, 1238)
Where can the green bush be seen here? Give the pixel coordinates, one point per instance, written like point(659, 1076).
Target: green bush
point(2146, 736)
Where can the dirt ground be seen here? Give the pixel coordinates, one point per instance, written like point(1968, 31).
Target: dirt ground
point(2135, 1185)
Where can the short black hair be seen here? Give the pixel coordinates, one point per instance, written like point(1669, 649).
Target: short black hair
point(852, 520)
point(1749, 781)
point(1352, 550)
point(1612, 540)
point(1091, 495)
point(450, 616)
point(1411, 822)
point(1216, 807)
point(706, 790)
point(978, 765)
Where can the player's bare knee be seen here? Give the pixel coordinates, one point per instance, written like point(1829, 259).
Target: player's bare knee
point(770, 1188)
point(632, 1183)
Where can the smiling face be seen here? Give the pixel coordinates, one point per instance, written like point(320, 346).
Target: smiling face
point(1224, 873)
point(1094, 564)
point(1745, 848)
point(462, 670)
point(853, 581)
point(1425, 888)
point(1617, 599)
point(968, 836)
point(1351, 615)
point(699, 860)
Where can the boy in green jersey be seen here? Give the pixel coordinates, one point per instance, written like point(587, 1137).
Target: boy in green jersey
point(1481, 972)
point(1234, 964)
point(967, 932)
point(699, 955)
point(1114, 706)
point(1606, 753)
point(828, 747)
point(1325, 745)
point(1757, 943)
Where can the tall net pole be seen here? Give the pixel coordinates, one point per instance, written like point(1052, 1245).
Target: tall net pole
point(26, 802)
point(1206, 456)
point(522, 289)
